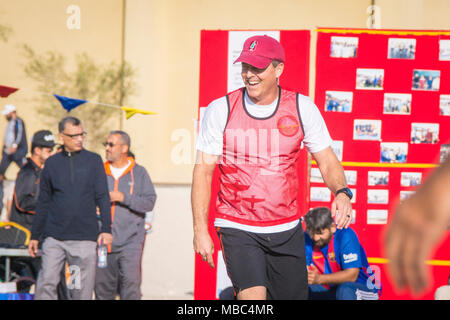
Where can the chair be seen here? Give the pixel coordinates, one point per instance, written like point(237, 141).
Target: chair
point(13, 235)
point(18, 269)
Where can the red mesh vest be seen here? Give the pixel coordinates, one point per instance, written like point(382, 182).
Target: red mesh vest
point(259, 181)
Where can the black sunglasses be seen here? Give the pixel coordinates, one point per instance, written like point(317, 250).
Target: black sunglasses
point(108, 144)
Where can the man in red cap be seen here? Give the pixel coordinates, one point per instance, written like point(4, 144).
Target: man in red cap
point(256, 132)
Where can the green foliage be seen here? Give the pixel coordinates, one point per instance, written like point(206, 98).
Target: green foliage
point(5, 32)
point(110, 84)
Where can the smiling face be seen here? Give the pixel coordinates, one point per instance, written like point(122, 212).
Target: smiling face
point(261, 84)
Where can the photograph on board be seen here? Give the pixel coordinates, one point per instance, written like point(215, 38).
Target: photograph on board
point(350, 176)
point(338, 101)
point(369, 79)
point(444, 50)
point(397, 103)
point(366, 129)
point(378, 196)
point(343, 47)
point(377, 216)
point(445, 152)
point(315, 175)
point(378, 178)
point(401, 48)
point(320, 194)
point(424, 132)
point(426, 80)
point(405, 194)
point(394, 152)
point(410, 179)
point(444, 105)
point(338, 148)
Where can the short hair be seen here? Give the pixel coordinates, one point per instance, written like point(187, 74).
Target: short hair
point(275, 63)
point(318, 219)
point(72, 120)
point(123, 136)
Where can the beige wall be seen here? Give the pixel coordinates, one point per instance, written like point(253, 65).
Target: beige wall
point(43, 26)
point(415, 14)
point(162, 41)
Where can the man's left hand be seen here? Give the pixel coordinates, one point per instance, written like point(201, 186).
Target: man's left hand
point(341, 210)
point(105, 239)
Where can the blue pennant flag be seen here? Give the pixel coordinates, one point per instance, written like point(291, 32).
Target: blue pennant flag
point(69, 103)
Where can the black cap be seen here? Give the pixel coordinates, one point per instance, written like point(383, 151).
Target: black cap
point(44, 138)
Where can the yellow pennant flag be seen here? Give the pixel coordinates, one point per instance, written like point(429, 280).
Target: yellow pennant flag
point(129, 112)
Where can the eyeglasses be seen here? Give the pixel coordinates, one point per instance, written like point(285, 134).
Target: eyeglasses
point(74, 136)
point(108, 144)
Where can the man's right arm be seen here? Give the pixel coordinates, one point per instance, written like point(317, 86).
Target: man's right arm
point(200, 198)
point(26, 192)
point(42, 205)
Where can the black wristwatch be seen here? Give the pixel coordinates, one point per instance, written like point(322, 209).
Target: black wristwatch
point(347, 192)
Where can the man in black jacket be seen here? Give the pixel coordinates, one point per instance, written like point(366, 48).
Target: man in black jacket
point(26, 190)
point(72, 185)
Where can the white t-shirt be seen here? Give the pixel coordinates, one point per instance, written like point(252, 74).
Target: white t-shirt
point(117, 172)
point(210, 140)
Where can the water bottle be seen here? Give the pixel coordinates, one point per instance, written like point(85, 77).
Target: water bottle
point(102, 252)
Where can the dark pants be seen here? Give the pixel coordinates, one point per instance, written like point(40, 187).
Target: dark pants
point(17, 157)
point(273, 260)
point(344, 291)
point(122, 276)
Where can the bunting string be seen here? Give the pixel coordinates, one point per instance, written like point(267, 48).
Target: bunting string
point(71, 103)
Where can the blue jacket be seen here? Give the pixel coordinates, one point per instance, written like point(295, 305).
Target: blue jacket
point(348, 253)
point(71, 186)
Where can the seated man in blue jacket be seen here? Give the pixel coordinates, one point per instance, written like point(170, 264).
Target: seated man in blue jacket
point(336, 261)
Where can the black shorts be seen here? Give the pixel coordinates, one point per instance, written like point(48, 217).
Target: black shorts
point(273, 260)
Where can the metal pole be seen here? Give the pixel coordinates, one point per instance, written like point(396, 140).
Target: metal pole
point(7, 268)
point(124, 8)
point(372, 14)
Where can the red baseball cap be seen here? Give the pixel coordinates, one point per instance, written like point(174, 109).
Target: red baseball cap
point(259, 51)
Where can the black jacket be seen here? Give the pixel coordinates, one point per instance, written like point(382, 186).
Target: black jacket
point(70, 188)
point(26, 192)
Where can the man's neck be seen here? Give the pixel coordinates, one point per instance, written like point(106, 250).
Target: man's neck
point(122, 162)
point(71, 151)
point(267, 99)
point(37, 161)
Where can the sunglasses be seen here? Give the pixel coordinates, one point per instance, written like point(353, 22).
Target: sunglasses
point(108, 144)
